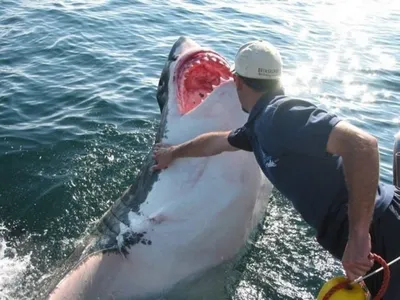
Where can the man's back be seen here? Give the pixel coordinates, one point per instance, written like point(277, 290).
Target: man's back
point(289, 138)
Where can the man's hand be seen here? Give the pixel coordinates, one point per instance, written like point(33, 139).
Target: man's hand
point(355, 258)
point(163, 154)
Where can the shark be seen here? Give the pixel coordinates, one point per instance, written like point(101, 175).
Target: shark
point(175, 224)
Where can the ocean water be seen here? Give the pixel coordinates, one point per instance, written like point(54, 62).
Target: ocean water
point(78, 114)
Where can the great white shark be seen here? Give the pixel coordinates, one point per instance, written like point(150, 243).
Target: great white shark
point(173, 224)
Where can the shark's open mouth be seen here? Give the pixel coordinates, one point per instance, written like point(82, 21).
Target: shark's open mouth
point(197, 76)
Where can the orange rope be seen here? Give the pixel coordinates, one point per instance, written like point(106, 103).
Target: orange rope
point(386, 276)
point(385, 282)
point(334, 289)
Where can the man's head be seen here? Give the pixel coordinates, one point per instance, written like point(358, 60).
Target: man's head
point(257, 70)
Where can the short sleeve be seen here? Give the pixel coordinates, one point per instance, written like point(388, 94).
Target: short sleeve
point(239, 138)
point(302, 127)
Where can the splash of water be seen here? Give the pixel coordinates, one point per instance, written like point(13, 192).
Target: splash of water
point(12, 267)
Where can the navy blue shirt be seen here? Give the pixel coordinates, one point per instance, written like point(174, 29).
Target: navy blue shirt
point(289, 137)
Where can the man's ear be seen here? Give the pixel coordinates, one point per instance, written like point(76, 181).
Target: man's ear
point(239, 82)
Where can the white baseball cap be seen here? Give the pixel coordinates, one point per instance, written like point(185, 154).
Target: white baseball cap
point(259, 60)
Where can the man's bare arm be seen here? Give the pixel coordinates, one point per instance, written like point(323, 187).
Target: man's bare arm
point(360, 154)
point(206, 144)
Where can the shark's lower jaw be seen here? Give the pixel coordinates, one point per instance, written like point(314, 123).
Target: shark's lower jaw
point(197, 75)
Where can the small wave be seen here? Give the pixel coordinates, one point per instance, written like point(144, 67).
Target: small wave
point(12, 267)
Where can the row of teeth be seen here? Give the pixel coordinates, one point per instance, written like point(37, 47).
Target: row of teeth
point(223, 78)
point(208, 58)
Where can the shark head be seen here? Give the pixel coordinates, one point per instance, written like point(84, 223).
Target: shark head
point(190, 75)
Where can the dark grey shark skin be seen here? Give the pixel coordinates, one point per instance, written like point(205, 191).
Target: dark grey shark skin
point(162, 90)
point(103, 235)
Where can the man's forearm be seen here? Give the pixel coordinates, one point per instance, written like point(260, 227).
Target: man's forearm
point(206, 144)
point(361, 167)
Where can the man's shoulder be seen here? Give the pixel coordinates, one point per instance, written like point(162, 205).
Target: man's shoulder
point(291, 112)
point(281, 106)
point(286, 108)
point(290, 101)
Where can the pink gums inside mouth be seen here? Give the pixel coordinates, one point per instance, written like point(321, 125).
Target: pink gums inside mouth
point(198, 76)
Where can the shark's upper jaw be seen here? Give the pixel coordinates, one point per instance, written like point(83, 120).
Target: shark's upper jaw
point(196, 75)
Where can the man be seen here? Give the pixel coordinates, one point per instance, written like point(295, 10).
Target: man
point(328, 168)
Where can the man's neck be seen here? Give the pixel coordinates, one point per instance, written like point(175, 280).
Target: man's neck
point(255, 97)
point(252, 99)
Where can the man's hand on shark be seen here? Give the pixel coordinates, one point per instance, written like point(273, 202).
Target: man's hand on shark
point(163, 154)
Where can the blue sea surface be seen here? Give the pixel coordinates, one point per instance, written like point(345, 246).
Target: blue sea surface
point(78, 115)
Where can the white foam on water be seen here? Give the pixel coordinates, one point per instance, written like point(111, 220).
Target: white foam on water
point(12, 267)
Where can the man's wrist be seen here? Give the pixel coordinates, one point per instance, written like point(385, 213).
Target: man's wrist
point(178, 151)
point(175, 152)
point(360, 217)
point(359, 232)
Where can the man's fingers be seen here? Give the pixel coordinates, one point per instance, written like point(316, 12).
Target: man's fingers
point(352, 276)
point(358, 268)
point(161, 156)
point(156, 167)
point(367, 265)
point(161, 145)
point(158, 150)
point(364, 264)
point(356, 271)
